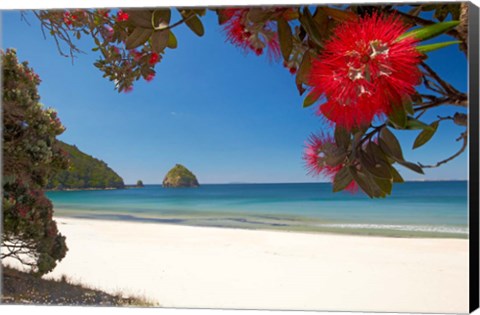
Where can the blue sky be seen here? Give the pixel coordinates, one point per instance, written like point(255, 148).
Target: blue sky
point(227, 116)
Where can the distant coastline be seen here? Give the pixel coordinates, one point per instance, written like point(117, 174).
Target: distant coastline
point(96, 188)
point(281, 183)
point(84, 189)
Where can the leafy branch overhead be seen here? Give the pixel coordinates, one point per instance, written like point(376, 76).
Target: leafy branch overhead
point(364, 68)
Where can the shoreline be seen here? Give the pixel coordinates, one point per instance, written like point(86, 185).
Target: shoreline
point(192, 267)
point(298, 227)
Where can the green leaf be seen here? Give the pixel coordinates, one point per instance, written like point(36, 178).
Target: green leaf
point(377, 168)
point(415, 124)
point(285, 38)
point(425, 135)
point(408, 106)
point(299, 86)
point(320, 17)
point(308, 24)
point(200, 12)
point(222, 17)
point(374, 150)
point(172, 40)
point(342, 137)
point(195, 25)
point(140, 18)
point(304, 68)
point(412, 166)
point(161, 18)
point(361, 181)
point(430, 31)
point(258, 15)
point(398, 116)
point(138, 37)
point(339, 15)
point(311, 98)
point(385, 185)
point(390, 145)
point(431, 47)
point(160, 40)
point(397, 178)
point(367, 183)
point(342, 179)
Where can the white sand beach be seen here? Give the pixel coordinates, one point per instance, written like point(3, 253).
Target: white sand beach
point(198, 267)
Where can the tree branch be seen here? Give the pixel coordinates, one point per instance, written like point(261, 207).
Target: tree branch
point(446, 86)
point(463, 136)
point(57, 33)
point(462, 28)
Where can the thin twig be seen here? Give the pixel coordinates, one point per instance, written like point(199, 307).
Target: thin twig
point(434, 103)
point(446, 86)
point(462, 149)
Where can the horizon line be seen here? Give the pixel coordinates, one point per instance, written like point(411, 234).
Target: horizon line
point(262, 183)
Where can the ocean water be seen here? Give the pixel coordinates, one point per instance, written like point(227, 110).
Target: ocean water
point(415, 209)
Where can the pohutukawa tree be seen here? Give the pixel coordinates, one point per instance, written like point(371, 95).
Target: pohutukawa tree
point(364, 67)
point(30, 155)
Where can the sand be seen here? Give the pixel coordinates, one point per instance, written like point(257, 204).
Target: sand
point(199, 267)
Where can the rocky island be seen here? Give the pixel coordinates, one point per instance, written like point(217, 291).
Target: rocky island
point(180, 176)
point(139, 184)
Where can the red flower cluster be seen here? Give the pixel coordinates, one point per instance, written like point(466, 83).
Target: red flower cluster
point(136, 54)
point(154, 58)
point(150, 77)
point(107, 33)
point(69, 18)
point(122, 16)
point(239, 34)
point(365, 71)
point(315, 154)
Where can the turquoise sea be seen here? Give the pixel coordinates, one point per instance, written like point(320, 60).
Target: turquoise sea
point(415, 209)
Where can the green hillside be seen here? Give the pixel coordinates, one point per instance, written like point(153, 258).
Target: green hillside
point(84, 172)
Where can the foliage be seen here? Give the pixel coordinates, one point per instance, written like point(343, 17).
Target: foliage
point(364, 65)
point(180, 176)
point(139, 183)
point(84, 171)
point(30, 154)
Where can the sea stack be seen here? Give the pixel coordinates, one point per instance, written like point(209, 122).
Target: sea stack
point(180, 176)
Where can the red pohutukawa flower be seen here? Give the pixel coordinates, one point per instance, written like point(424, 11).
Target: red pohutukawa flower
point(254, 38)
point(122, 16)
point(68, 18)
point(318, 150)
point(364, 70)
point(154, 58)
point(150, 77)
